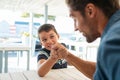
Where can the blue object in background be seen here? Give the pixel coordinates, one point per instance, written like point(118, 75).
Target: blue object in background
point(4, 29)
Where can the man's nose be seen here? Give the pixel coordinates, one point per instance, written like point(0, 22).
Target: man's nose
point(75, 25)
point(75, 28)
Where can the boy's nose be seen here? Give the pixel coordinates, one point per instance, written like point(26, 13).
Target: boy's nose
point(49, 41)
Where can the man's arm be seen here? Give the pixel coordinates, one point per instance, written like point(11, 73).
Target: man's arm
point(86, 67)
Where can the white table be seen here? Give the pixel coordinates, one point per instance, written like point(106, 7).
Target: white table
point(57, 74)
point(4, 48)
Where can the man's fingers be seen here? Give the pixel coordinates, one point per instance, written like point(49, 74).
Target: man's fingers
point(56, 46)
point(58, 50)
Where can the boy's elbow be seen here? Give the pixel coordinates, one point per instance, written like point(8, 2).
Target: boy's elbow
point(41, 74)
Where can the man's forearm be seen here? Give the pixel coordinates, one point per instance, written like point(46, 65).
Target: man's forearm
point(86, 67)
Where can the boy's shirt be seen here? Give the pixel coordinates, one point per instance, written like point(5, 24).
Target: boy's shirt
point(45, 54)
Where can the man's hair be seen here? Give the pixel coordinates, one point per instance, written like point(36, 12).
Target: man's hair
point(46, 28)
point(107, 6)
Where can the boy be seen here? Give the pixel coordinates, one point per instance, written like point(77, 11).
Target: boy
point(48, 36)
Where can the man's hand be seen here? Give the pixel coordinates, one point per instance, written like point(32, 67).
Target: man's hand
point(59, 51)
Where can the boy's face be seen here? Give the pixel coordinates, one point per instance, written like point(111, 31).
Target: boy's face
point(48, 38)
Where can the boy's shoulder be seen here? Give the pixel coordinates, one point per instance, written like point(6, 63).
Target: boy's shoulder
point(43, 51)
point(63, 44)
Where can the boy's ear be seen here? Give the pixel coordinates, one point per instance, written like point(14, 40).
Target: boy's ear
point(58, 36)
point(40, 43)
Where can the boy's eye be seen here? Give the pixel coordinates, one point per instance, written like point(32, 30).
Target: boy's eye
point(51, 36)
point(44, 40)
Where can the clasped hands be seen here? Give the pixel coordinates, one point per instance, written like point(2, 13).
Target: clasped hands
point(58, 51)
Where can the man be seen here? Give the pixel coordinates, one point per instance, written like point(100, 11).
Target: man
point(96, 18)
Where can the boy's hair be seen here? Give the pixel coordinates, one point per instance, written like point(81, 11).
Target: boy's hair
point(46, 28)
point(107, 6)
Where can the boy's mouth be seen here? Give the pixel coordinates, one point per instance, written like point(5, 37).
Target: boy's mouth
point(50, 46)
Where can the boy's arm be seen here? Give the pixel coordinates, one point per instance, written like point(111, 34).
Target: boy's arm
point(44, 66)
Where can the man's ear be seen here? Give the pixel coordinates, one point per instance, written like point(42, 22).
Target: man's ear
point(90, 10)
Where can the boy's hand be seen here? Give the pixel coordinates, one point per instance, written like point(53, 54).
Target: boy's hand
point(59, 51)
point(53, 55)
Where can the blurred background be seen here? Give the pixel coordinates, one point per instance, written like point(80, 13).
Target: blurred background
point(20, 20)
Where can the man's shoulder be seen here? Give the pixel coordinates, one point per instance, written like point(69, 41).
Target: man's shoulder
point(114, 31)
